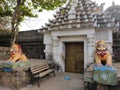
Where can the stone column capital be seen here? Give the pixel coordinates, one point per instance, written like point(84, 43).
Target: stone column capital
point(55, 41)
point(55, 38)
point(90, 36)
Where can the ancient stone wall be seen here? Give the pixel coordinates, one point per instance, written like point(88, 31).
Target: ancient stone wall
point(14, 80)
point(4, 53)
point(32, 43)
point(116, 46)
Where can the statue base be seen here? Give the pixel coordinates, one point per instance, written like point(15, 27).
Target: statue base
point(10, 67)
point(14, 75)
point(105, 75)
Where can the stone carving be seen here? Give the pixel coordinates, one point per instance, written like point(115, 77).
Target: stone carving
point(16, 54)
point(102, 55)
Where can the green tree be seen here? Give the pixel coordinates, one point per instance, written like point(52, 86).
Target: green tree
point(19, 9)
point(4, 23)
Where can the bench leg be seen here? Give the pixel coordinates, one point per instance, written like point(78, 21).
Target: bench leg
point(54, 73)
point(32, 81)
point(38, 81)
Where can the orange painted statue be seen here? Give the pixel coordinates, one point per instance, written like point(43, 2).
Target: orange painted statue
point(16, 54)
point(102, 55)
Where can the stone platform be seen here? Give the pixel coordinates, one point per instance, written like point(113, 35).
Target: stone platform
point(19, 77)
point(105, 75)
point(102, 78)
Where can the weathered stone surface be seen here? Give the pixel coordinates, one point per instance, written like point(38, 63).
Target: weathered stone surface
point(105, 75)
point(89, 69)
point(14, 80)
point(20, 76)
point(4, 53)
point(15, 66)
point(32, 43)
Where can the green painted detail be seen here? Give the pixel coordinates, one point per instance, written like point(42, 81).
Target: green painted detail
point(105, 75)
point(15, 65)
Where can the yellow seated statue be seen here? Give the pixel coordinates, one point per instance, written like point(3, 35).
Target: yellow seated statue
point(16, 54)
point(102, 54)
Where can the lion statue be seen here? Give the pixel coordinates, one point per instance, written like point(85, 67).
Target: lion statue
point(102, 55)
point(16, 54)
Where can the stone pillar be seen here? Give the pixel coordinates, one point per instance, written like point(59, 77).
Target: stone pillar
point(91, 48)
point(48, 52)
point(55, 48)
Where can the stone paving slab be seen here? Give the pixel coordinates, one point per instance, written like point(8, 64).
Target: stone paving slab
point(75, 82)
point(5, 88)
point(59, 83)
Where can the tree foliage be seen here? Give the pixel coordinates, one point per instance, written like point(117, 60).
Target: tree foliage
point(4, 23)
point(18, 9)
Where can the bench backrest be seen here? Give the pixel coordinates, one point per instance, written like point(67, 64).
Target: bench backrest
point(38, 68)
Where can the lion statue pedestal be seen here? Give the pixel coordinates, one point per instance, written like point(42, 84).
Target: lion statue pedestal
point(104, 72)
point(102, 54)
point(105, 75)
point(17, 59)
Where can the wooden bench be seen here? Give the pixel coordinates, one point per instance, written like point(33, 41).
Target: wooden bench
point(38, 71)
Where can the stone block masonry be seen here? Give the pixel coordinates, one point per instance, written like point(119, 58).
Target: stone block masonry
point(4, 53)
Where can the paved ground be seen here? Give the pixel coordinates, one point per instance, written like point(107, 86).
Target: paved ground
point(57, 83)
point(4, 88)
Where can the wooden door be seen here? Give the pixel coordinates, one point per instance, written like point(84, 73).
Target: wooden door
point(74, 61)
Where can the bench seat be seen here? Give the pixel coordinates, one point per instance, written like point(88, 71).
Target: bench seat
point(39, 71)
point(45, 72)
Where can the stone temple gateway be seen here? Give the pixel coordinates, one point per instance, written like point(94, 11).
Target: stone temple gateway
point(70, 37)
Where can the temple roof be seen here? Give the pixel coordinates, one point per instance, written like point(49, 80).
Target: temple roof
point(80, 14)
point(114, 10)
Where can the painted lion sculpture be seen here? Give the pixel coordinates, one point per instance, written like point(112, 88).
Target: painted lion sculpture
point(102, 55)
point(16, 54)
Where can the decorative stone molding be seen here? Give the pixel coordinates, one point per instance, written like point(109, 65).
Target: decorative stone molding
point(55, 47)
point(91, 46)
point(55, 41)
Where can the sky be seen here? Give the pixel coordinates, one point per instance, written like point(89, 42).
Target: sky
point(36, 23)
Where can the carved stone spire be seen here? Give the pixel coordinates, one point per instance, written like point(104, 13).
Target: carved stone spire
point(113, 3)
